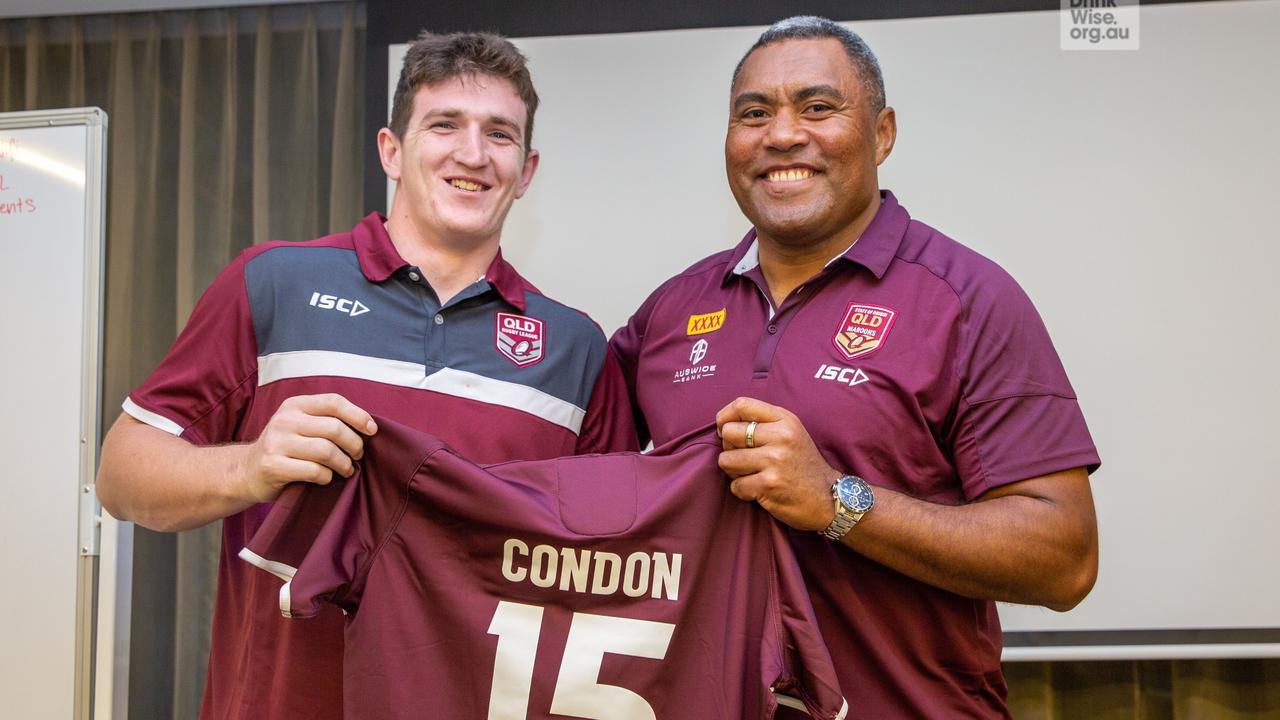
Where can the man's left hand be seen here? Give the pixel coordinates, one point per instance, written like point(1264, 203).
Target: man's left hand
point(782, 469)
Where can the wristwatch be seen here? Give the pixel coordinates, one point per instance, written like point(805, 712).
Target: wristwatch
point(854, 499)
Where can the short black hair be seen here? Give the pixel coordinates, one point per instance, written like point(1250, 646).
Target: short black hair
point(811, 27)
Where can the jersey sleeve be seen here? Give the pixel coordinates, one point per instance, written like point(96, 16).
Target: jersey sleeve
point(201, 388)
point(626, 345)
point(805, 685)
point(608, 425)
point(1017, 415)
point(322, 539)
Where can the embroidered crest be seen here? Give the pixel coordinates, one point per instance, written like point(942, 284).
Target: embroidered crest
point(519, 338)
point(863, 329)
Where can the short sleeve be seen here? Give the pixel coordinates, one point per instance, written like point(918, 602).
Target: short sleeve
point(608, 425)
point(322, 539)
point(314, 539)
point(807, 685)
point(1017, 416)
point(201, 388)
point(626, 345)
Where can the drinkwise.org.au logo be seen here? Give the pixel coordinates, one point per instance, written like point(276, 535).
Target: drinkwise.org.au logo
point(1099, 25)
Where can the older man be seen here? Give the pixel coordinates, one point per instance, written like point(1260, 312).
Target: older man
point(415, 316)
point(886, 392)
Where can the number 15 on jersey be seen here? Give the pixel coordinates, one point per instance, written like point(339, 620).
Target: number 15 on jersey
point(577, 692)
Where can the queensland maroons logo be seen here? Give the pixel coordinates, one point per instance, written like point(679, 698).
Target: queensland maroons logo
point(863, 329)
point(518, 337)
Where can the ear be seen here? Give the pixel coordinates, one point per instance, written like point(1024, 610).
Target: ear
point(886, 133)
point(389, 153)
point(526, 173)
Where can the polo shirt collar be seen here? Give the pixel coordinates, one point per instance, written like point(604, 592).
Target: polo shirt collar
point(874, 250)
point(506, 281)
point(379, 260)
point(378, 257)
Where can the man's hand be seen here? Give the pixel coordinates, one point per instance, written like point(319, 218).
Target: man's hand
point(309, 438)
point(783, 470)
point(165, 483)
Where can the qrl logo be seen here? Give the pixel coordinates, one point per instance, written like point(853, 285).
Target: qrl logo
point(519, 338)
point(863, 329)
point(342, 305)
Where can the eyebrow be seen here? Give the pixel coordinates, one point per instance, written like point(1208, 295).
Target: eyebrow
point(804, 93)
point(451, 113)
point(816, 91)
point(748, 98)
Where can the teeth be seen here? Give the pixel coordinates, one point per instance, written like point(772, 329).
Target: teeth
point(466, 185)
point(790, 175)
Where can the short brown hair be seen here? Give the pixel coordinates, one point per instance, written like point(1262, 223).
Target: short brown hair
point(433, 59)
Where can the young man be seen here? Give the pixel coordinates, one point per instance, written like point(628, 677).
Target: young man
point(860, 343)
point(415, 316)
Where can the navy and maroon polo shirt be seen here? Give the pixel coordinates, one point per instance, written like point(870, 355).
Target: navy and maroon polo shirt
point(601, 586)
point(914, 363)
point(500, 372)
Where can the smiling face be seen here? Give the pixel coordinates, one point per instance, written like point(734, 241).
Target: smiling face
point(803, 145)
point(461, 162)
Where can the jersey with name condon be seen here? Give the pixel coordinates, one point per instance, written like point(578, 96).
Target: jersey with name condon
point(501, 372)
point(624, 586)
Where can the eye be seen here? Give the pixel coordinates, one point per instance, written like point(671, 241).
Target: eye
point(442, 125)
point(501, 135)
point(818, 107)
point(755, 114)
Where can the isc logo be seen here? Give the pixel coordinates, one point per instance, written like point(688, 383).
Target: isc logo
point(342, 305)
point(846, 375)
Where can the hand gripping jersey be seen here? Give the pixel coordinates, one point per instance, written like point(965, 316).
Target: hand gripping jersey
point(620, 586)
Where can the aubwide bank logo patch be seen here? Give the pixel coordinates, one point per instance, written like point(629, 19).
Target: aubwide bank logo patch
point(863, 329)
point(519, 338)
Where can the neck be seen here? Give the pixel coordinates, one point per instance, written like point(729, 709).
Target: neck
point(788, 263)
point(448, 267)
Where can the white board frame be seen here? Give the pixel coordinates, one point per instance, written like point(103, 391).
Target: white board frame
point(89, 412)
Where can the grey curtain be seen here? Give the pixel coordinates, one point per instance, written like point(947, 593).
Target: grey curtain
point(231, 127)
point(226, 128)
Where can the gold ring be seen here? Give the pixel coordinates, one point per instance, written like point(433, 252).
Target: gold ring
point(751, 434)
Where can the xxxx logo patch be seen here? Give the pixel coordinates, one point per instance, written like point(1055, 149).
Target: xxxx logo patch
point(519, 338)
point(701, 324)
point(863, 329)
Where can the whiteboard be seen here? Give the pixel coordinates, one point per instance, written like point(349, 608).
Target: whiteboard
point(1130, 193)
point(51, 217)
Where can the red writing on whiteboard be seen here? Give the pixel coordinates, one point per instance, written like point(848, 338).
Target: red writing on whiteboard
point(8, 146)
point(2, 185)
point(19, 207)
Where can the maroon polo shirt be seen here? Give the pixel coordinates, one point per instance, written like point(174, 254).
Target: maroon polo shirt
point(599, 586)
point(500, 371)
point(914, 363)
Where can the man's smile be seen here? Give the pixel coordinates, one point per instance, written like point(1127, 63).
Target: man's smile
point(467, 185)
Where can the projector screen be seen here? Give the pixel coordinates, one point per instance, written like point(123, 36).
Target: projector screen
point(1129, 192)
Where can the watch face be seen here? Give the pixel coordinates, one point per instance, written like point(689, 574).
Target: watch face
point(855, 494)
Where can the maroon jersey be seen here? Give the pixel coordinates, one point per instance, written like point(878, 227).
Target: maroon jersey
point(619, 586)
point(346, 314)
point(914, 363)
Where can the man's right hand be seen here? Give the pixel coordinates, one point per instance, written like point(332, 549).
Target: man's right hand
point(167, 484)
point(309, 438)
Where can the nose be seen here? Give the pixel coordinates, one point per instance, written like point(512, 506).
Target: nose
point(470, 149)
point(785, 132)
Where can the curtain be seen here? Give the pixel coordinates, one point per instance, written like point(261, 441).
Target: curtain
point(231, 127)
point(226, 128)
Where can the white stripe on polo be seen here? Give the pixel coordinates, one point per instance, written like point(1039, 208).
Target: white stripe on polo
point(155, 420)
point(447, 381)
